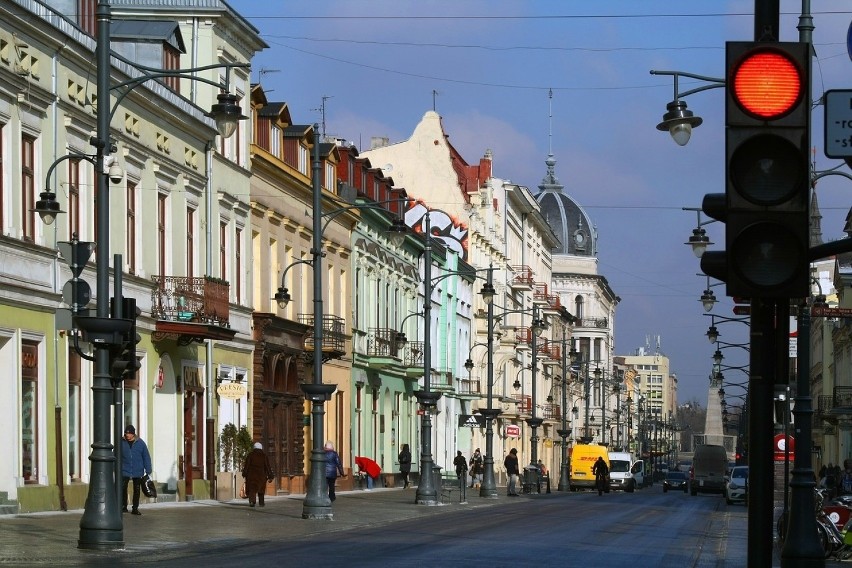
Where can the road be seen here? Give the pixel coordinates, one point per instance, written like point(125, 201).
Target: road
point(385, 528)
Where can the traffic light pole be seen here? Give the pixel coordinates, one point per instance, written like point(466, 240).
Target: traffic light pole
point(761, 431)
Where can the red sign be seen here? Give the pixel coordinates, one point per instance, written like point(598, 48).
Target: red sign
point(781, 444)
point(818, 311)
point(513, 431)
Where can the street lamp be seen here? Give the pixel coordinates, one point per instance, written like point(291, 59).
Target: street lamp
point(101, 525)
point(699, 241)
point(488, 488)
point(678, 120)
point(317, 504)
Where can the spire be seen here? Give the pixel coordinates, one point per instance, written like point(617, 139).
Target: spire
point(550, 181)
point(816, 225)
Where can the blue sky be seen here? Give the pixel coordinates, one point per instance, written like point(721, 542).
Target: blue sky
point(492, 63)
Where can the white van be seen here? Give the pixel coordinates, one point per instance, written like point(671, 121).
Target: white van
point(625, 472)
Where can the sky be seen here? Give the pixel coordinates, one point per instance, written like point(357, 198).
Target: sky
point(487, 66)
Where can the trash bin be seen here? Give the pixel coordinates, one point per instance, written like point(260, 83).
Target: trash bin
point(436, 475)
point(532, 480)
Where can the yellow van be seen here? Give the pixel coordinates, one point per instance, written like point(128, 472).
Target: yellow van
point(583, 458)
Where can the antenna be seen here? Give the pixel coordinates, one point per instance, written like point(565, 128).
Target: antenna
point(321, 110)
point(434, 96)
point(265, 71)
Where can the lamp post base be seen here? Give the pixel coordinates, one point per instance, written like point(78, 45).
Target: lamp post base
point(317, 504)
point(488, 489)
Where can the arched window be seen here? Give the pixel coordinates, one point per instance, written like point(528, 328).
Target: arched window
point(578, 306)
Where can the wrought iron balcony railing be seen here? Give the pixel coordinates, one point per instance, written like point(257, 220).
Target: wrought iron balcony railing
point(190, 299)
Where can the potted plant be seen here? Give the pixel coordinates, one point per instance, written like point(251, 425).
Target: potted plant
point(234, 444)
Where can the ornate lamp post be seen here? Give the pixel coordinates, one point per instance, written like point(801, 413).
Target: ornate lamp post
point(316, 504)
point(101, 525)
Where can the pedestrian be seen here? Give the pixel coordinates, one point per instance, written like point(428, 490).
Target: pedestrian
point(477, 468)
point(511, 465)
point(601, 471)
point(405, 464)
point(845, 484)
point(333, 468)
point(256, 472)
point(544, 473)
point(461, 466)
point(135, 464)
point(369, 468)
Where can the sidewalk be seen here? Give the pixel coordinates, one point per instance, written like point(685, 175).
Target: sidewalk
point(168, 530)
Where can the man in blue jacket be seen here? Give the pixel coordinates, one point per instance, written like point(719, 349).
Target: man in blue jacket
point(135, 463)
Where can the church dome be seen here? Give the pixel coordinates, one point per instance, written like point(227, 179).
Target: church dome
point(569, 222)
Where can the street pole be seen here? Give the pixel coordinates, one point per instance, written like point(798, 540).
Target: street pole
point(533, 422)
point(426, 491)
point(801, 543)
point(101, 526)
point(564, 432)
point(317, 504)
point(603, 410)
point(488, 489)
point(586, 436)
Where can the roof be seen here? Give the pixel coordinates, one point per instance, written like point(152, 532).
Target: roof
point(148, 31)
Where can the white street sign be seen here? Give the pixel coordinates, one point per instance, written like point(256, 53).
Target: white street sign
point(838, 123)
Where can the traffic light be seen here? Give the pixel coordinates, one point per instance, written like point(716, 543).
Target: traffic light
point(124, 363)
point(767, 149)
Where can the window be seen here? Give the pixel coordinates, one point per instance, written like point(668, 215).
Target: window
point(275, 141)
point(131, 400)
point(304, 160)
point(29, 412)
point(223, 250)
point(74, 198)
point(190, 241)
point(578, 307)
point(130, 251)
point(171, 61)
point(27, 187)
point(2, 177)
point(86, 16)
point(238, 266)
point(161, 232)
point(75, 431)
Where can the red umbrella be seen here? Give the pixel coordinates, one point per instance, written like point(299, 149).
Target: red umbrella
point(368, 465)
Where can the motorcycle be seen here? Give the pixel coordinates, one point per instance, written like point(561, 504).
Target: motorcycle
point(835, 540)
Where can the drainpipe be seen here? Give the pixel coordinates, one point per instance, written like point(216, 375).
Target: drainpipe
point(208, 270)
point(57, 409)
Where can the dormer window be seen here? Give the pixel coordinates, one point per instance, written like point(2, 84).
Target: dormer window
point(152, 43)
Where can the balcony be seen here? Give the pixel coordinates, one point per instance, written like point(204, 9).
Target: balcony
point(470, 387)
point(551, 352)
point(524, 404)
point(540, 295)
point(837, 407)
point(521, 279)
point(523, 337)
point(333, 337)
point(593, 323)
point(190, 309)
point(551, 412)
point(412, 358)
point(381, 348)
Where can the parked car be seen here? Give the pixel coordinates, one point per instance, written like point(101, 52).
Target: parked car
point(736, 485)
point(676, 480)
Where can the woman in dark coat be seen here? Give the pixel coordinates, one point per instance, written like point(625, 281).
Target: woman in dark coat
point(405, 464)
point(256, 472)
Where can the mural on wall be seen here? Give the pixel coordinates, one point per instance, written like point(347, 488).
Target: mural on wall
point(445, 228)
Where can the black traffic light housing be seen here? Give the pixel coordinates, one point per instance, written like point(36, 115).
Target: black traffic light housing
point(123, 361)
point(767, 171)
